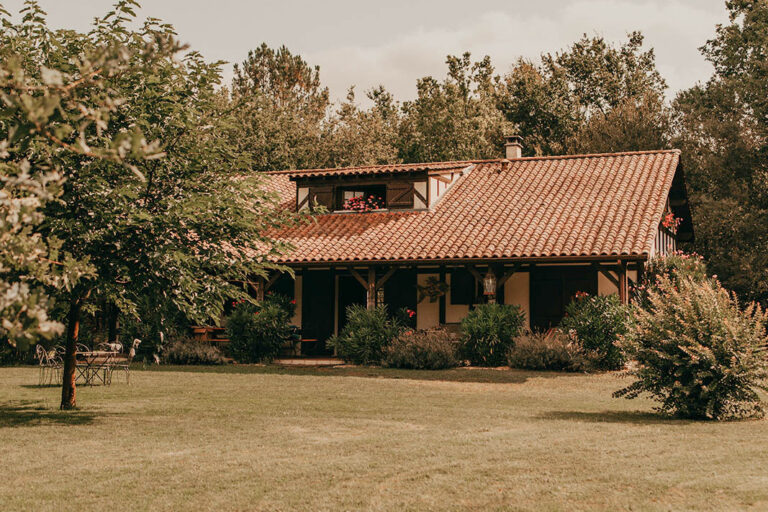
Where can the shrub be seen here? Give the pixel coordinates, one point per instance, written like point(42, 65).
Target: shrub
point(422, 350)
point(597, 323)
point(546, 351)
point(257, 332)
point(189, 351)
point(698, 352)
point(488, 331)
point(365, 335)
point(675, 266)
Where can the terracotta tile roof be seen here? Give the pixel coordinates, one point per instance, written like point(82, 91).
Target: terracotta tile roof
point(374, 169)
point(283, 187)
point(569, 206)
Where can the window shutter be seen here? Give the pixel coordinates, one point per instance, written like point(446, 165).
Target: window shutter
point(400, 195)
point(323, 195)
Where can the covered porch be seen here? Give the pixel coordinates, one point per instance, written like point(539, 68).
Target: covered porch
point(441, 293)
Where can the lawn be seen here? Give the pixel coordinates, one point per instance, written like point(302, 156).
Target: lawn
point(264, 438)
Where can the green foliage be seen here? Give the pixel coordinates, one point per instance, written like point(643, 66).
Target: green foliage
point(597, 323)
point(722, 132)
point(280, 108)
point(675, 267)
point(189, 351)
point(434, 349)
point(552, 351)
point(116, 160)
point(355, 136)
point(698, 352)
point(367, 332)
point(591, 97)
point(257, 332)
point(157, 323)
point(455, 119)
point(433, 289)
point(488, 331)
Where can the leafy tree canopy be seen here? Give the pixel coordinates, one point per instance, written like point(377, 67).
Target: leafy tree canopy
point(722, 128)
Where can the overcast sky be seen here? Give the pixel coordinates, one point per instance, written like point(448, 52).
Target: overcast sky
point(394, 42)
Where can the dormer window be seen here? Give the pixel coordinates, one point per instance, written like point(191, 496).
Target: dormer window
point(361, 197)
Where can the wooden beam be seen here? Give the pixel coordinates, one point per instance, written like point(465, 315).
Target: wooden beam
point(442, 178)
point(272, 280)
point(385, 277)
point(371, 288)
point(607, 273)
point(509, 273)
point(416, 193)
point(359, 278)
point(474, 272)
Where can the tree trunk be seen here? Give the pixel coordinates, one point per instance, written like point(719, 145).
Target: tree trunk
point(70, 356)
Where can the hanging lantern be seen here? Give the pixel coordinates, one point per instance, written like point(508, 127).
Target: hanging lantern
point(489, 283)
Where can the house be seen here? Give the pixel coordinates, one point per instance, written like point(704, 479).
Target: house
point(531, 231)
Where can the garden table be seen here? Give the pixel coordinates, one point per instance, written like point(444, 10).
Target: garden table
point(95, 365)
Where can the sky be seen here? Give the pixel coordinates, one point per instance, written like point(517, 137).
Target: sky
point(395, 42)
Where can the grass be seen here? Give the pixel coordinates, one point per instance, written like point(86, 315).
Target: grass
point(266, 438)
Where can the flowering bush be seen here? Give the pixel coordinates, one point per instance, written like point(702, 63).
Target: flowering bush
point(257, 332)
point(189, 351)
point(362, 204)
point(698, 352)
point(488, 331)
point(546, 351)
point(422, 350)
point(671, 222)
point(676, 267)
point(366, 333)
point(596, 323)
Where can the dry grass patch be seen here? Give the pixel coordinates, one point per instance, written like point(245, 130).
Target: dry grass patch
point(267, 438)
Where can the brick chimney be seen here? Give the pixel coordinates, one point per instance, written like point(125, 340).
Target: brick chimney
point(513, 146)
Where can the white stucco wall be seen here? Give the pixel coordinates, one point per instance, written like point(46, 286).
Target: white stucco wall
point(517, 291)
point(421, 188)
point(453, 312)
point(604, 286)
point(427, 313)
point(303, 192)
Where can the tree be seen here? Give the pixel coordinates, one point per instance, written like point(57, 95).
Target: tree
point(592, 97)
point(46, 112)
point(456, 119)
point(184, 225)
point(722, 129)
point(355, 136)
point(698, 351)
point(281, 107)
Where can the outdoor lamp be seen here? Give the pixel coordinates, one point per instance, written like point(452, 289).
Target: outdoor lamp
point(489, 283)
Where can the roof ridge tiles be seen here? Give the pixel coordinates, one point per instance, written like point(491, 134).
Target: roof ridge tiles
point(445, 164)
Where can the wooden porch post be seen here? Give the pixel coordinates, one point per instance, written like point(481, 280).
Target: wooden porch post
point(623, 283)
point(371, 288)
point(259, 286)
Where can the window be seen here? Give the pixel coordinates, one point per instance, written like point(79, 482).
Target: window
point(373, 195)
